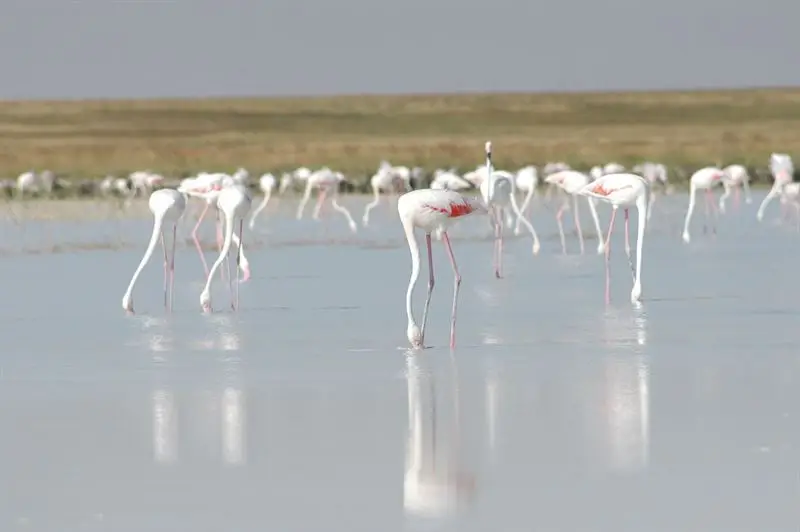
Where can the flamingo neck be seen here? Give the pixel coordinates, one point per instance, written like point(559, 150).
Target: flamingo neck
point(158, 223)
point(226, 246)
point(413, 247)
point(641, 208)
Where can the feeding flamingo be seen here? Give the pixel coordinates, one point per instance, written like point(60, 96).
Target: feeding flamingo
point(623, 190)
point(327, 182)
point(388, 181)
point(570, 182)
point(167, 205)
point(208, 187)
point(234, 202)
point(430, 210)
point(704, 179)
point(266, 184)
point(498, 194)
point(736, 177)
point(526, 181)
point(782, 169)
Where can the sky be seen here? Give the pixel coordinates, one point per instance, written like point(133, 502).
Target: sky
point(194, 48)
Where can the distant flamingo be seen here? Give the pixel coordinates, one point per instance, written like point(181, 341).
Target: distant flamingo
point(430, 210)
point(266, 184)
point(736, 177)
point(704, 179)
point(783, 177)
point(623, 190)
point(388, 181)
point(498, 194)
point(570, 182)
point(327, 182)
point(167, 205)
point(234, 202)
point(790, 195)
point(526, 181)
point(207, 187)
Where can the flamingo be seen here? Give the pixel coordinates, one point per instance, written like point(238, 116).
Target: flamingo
point(266, 183)
point(385, 180)
point(703, 179)
point(526, 181)
point(234, 202)
point(570, 182)
point(167, 205)
point(326, 181)
point(208, 187)
point(790, 195)
point(498, 194)
point(782, 169)
point(623, 190)
point(430, 210)
point(652, 173)
point(736, 176)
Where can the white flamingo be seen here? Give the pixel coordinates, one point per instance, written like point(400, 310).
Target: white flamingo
point(526, 181)
point(736, 177)
point(703, 179)
point(388, 181)
point(498, 194)
point(266, 183)
point(327, 182)
point(782, 168)
point(570, 182)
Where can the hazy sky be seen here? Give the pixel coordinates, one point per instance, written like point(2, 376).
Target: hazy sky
point(141, 48)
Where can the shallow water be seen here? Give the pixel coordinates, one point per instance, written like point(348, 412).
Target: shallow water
point(304, 410)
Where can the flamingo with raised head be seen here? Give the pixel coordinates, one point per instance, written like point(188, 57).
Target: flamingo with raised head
point(736, 177)
point(704, 179)
point(327, 182)
point(234, 202)
point(167, 206)
point(570, 182)
point(267, 184)
point(498, 194)
point(431, 210)
point(623, 190)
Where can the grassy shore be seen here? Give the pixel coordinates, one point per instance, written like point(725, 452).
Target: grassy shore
point(353, 133)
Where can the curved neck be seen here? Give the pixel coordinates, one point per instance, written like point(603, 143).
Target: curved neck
point(489, 180)
point(158, 223)
point(226, 246)
point(413, 247)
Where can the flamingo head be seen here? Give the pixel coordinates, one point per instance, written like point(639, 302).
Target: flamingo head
point(205, 301)
point(127, 303)
point(414, 336)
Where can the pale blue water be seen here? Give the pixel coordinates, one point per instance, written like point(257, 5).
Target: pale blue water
point(554, 412)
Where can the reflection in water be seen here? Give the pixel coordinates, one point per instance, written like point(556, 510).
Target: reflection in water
point(627, 409)
point(491, 404)
point(229, 404)
point(434, 485)
point(626, 391)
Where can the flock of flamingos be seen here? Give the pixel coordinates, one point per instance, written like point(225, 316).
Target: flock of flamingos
point(435, 209)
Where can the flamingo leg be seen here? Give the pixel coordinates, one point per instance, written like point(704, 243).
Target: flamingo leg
point(320, 201)
point(736, 198)
point(238, 264)
point(628, 246)
point(559, 215)
point(577, 221)
point(197, 241)
point(166, 269)
point(431, 282)
point(498, 243)
point(172, 268)
point(456, 286)
point(608, 253)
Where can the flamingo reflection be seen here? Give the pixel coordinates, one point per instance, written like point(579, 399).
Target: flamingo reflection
point(435, 485)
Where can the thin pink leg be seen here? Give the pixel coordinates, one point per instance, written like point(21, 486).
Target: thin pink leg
point(577, 221)
point(166, 269)
point(500, 223)
point(736, 193)
point(239, 260)
point(197, 242)
point(608, 254)
point(172, 268)
point(430, 286)
point(457, 285)
point(320, 201)
point(559, 215)
point(707, 211)
point(497, 254)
